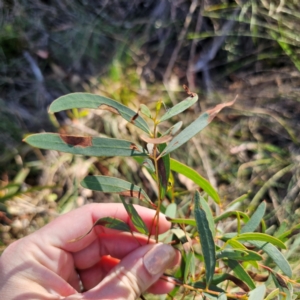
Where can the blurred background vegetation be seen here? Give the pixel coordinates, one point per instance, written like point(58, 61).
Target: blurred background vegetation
point(137, 52)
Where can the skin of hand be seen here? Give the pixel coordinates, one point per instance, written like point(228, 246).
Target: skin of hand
point(46, 265)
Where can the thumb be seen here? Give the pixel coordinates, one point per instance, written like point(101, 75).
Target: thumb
point(135, 273)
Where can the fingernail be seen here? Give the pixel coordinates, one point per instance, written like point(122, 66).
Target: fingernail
point(159, 258)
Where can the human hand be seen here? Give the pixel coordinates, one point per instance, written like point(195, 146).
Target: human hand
point(45, 265)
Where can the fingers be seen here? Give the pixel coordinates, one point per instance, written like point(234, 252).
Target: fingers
point(117, 245)
point(92, 276)
point(136, 273)
point(80, 221)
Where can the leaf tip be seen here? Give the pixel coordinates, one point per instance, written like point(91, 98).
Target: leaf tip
point(214, 111)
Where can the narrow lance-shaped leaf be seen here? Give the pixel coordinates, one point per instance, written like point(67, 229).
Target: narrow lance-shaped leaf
point(90, 146)
point(107, 222)
point(230, 214)
point(206, 240)
point(183, 169)
point(170, 212)
point(288, 234)
point(180, 107)
point(273, 294)
point(195, 127)
point(182, 221)
point(135, 218)
point(240, 272)
point(239, 254)
point(208, 214)
point(145, 111)
point(148, 164)
point(257, 236)
point(189, 266)
point(108, 184)
point(86, 100)
point(276, 255)
point(254, 236)
point(173, 129)
point(270, 249)
point(225, 276)
point(255, 219)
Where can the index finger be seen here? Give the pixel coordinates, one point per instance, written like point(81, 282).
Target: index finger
point(78, 222)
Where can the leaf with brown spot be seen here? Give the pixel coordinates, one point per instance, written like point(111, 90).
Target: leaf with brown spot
point(156, 141)
point(240, 283)
point(108, 184)
point(187, 90)
point(107, 222)
point(77, 141)
point(214, 111)
point(194, 128)
point(86, 100)
point(85, 145)
point(258, 277)
point(109, 108)
point(133, 118)
point(281, 281)
point(240, 272)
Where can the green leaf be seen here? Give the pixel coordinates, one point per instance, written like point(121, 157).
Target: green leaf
point(113, 223)
point(258, 293)
point(182, 221)
point(189, 266)
point(107, 222)
point(206, 240)
point(178, 108)
point(230, 214)
point(90, 146)
point(148, 164)
point(238, 254)
point(209, 215)
point(236, 244)
point(240, 272)
point(85, 100)
point(173, 130)
point(255, 219)
point(270, 249)
point(145, 111)
point(135, 218)
point(273, 294)
point(225, 276)
point(178, 167)
point(288, 234)
point(195, 127)
point(276, 255)
point(257, 236)
point(108, 184)
point(170, 212)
